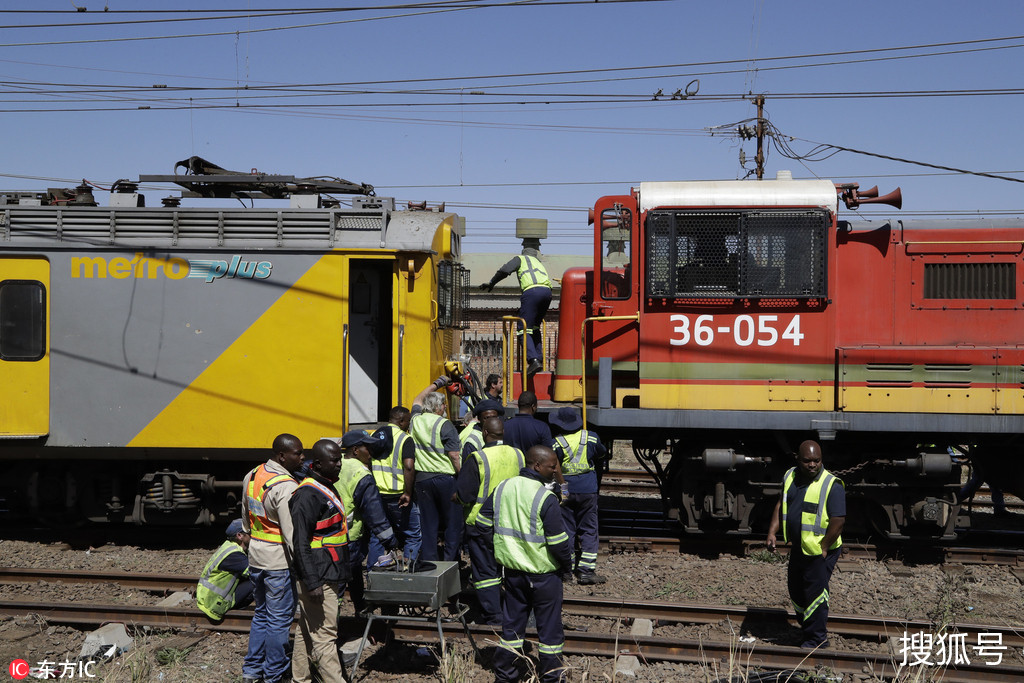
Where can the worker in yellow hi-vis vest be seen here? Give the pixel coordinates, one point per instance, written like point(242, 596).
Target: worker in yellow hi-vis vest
point(812, 513)
point(534, 300)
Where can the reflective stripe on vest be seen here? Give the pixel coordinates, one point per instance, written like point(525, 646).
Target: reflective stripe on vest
point(495, 464)
point(261, 526)
point(519, 540)
point(574, 458)
point(813, 524)
point(430, 453)
point(215, 594)
point(532, 273)
point(473, 436)
point(389, 474)
point(352, 472)
point(331, 530)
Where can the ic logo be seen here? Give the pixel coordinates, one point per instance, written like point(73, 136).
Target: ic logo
point(19, 669)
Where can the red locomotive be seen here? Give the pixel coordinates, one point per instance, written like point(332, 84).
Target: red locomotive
point(724, 322)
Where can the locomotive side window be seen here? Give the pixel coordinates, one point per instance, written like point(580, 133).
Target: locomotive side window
point(970, 281)
point(615, 253)
point(729, 254)
point(22, 320)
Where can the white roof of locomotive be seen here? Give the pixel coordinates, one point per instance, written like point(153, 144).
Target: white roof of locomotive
point(738, 193)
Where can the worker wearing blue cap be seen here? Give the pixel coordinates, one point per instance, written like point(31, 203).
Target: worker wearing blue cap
point(224, 583)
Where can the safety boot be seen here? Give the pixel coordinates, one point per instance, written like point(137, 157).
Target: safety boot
point(590, 578)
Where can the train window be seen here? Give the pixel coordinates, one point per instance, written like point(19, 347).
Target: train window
point(615, 253)
point(731, 254)
point(452, 295)
point(22, 320)
point(970, 281)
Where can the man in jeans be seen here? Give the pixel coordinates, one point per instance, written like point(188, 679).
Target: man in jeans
point(266, 491)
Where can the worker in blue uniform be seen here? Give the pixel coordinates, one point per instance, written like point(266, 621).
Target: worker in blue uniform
point(482, 470)
point(364, 507)
point(522, 522)
point(523, 430)
point(812, 513)
point(394, 472)
point(534, 299)
point(579, 452)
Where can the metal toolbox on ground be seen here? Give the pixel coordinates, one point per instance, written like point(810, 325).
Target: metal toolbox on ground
point(430, 588)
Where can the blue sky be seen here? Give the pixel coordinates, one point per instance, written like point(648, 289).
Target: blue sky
point(521, 110)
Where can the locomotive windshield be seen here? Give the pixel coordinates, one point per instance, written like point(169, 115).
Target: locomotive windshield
point(731, 254)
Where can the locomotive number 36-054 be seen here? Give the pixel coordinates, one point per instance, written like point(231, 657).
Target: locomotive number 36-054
point(746, 330)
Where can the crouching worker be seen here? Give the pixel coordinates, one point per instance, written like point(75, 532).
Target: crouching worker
point(322, 565)
point(224, 583)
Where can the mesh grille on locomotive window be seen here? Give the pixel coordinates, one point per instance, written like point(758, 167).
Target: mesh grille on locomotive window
point(970, 281)
point(452, 295)
point(755, 254)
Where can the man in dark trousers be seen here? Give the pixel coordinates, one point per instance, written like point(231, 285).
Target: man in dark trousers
point(224, 583)
point(437, 463)
point(579, 452)
point(266, 492)
point(523, 430)
point(395, 474)
point(482, 470)
point(363, 508)
point(321, 563)
point(534, 300)
point(522, 521)
point(812, 512)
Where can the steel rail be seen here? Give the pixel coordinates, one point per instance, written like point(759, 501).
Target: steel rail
point(1012, 557)
point(93, 614)
point(702, 652)
point(147, 582)
point(878, 628)
point(616, 484)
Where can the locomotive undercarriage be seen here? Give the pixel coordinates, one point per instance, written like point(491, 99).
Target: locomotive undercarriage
point(723, 484)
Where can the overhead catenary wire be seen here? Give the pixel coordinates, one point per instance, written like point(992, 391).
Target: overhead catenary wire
point(825, 150)
point(211, 34)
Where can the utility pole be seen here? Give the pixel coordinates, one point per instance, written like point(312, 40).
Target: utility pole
point(759, 159)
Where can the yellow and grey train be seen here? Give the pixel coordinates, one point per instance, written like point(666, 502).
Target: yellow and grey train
point(150, 354)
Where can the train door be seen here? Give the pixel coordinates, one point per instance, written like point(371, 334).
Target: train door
point(24, 351)
point(616, 299)
point(369, 340)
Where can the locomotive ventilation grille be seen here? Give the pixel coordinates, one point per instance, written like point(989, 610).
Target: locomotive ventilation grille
point(452, 295)
point(729, 254)
point(970, 281)
point(928, 375)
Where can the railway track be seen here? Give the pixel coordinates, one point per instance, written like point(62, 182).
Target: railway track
point(628, 482)
point(760, 654)
point(936, 554)
point(600, 607)
point(638, 482)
